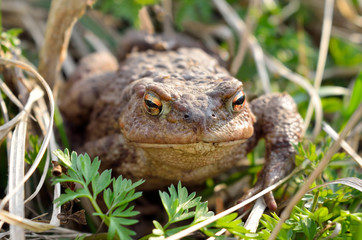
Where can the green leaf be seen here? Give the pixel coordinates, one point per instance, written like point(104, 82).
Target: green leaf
point(64, 157)
point(74, 162)
point(108, 197)
point(116, 228)
point(100, 182)
point(70, 195)
point(157, 225)
point(309, 227)
point(232, 224)
point(90, 168)
point(84, 171)
point(65, 178)
point(180, 206)
point(331, 104)
point(202, 213)
point(126, 9)
point(125, 213)
point(125, 198)
point(345, 53)
point(14, 32)
point(321, 215)
point(196, 10)
point(355, 99)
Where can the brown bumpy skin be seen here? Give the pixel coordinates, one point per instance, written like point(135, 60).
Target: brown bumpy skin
point(196, 132)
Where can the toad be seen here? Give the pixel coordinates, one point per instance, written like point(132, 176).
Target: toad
point(173, 115)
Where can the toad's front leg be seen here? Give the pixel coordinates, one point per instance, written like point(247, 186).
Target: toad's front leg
point(280, 124)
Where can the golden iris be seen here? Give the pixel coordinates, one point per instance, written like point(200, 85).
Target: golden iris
point(238, 101)
point(152, 103)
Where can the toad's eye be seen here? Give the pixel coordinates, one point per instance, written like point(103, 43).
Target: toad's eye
point(237, 101)
point(152, 103)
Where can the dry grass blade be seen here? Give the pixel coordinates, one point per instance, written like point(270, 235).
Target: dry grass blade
point(344, 144)
point(53, 233)
point(354, 182)
point(326, 32)
point(43, 117)
point(352, 121)
point(56, 209)
point(278, 68)
point(275, 66)
point(253, 10)
point(338, 72)
point(5, 128)
point(252, 222)
point(286, 12)
point(194, 228)
point(16, 165)
point(49, 127)
point(16, 174)
point(16, 158)
point(41, 181)
point(23, 222)
point(238, 25)
point(10, 95)
point(328, 91)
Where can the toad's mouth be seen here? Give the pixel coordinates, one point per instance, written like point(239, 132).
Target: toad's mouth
point(190, 156)
point(193, 148)
point(166, 145)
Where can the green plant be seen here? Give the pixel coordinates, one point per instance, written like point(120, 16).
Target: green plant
point(179, 206)
point(9, 40)
point(327, 217)
point(81, 170)
point(126, 9)
point(329, 211)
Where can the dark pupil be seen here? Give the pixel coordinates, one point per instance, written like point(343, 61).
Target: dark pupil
point(151, 104)
point(240, 100)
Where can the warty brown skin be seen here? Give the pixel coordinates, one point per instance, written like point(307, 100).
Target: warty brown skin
point(197, 133)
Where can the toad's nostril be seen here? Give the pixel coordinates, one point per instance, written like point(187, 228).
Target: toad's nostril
point(186, 116)
point(213, 115)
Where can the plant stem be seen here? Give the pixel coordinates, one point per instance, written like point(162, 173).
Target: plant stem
point(98, 209)
point(315, 201)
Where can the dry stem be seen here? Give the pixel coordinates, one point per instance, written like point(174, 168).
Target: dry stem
point(62, 17)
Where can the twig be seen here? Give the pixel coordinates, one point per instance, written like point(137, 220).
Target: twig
point(62, 16)
point(344, 144)
point(23, 222)
point(326, 32)
point(286, 12)
point(167, 18)
point(145, 21)
point(349, 12)
point(338, 72)
point(286, 213)
point(238, 25)
point(243, 42)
